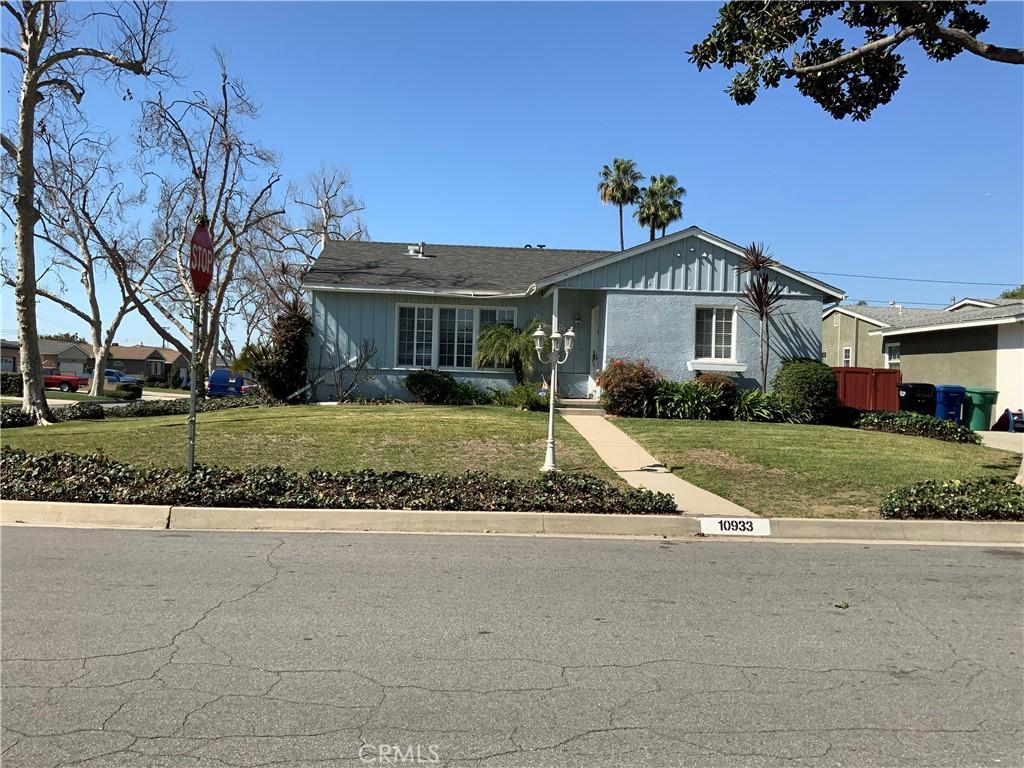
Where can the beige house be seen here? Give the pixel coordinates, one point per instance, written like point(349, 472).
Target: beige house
point(67, 356)
point(846, 340)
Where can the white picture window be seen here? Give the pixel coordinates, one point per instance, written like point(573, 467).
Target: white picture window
point(714, 333)
point(892, 355)
point(455, 337)
point(416, 336)
point(847, 357)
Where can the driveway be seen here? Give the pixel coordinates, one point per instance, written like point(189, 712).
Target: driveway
point(153, 648)
point(1006, 441)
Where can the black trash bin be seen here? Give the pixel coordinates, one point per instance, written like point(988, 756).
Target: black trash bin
point(919, 398)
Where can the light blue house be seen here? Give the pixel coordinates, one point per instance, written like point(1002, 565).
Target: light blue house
point(674, 302)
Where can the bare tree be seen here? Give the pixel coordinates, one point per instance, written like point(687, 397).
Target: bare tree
point(55, 61)
point(323, 208)
point(83, 211)
point(219, 173)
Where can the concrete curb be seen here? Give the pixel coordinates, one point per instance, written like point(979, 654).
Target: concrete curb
point(98, 515)
point(426, 521)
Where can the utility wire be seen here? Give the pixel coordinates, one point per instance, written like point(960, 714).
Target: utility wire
point(912, 279)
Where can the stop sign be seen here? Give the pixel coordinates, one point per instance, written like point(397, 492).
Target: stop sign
point(200, 262)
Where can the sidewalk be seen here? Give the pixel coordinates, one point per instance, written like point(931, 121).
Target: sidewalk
point(1005, 441)
point(641, 470)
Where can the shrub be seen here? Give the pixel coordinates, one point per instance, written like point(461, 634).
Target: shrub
point(97, 479)
point(522, 396)
point(808, 388)
point(280, 367)
point(627, 387)
point(918, 424)
point(11, 384)
point(685, 400)
point(124, 392)
point(981, 499)
point(430, 385)
point(11, 416)
point(755, 405)
point(467, 393)
point(78, 411)
point(725, 386)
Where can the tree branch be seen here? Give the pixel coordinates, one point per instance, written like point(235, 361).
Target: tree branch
point(972, 44)
point(59, 82)
point(9, 146)
point(890, 42)
point(134, 66)
point(12, 52)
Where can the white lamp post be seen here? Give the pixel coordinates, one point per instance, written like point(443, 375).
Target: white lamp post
point(556, 356)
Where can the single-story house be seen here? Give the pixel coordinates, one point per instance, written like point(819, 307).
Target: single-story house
point(10, 355)
point(68, 356)
point(146, 362)
point(674, 301)
point(845, 329)
point(966, 344)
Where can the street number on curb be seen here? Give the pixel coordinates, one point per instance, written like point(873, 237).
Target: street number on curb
point(735, 526)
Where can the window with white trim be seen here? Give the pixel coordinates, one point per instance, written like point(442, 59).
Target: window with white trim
point(416, 336)
point(892, 355)
point(714, 333)
point(455, 337)
point(847, 357)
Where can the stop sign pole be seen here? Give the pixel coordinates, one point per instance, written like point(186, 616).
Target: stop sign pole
point(200, 267)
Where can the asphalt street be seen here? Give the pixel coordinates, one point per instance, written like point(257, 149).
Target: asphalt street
point(176, 648)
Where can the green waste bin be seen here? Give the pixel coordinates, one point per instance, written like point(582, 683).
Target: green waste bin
point(978, 408)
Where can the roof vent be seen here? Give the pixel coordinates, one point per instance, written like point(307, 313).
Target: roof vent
point(539, 245)
point(418, 251)
point(527, 246)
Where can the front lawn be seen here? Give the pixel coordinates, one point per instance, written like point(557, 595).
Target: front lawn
point(426, 439)
point(793, 470)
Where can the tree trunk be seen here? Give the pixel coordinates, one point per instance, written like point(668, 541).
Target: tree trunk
point(765, 351)
point(652, 233)
point(622, 236)
point(517, 369)
point(34, 394)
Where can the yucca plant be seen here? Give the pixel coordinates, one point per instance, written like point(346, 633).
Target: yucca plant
point(505, 346)
point(761, 297)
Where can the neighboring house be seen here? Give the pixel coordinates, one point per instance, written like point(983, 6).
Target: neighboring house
point(146, 362)
point(846, 339)
point(10, 354)
point(69, 357)
point(674, 301)
point(966, 344)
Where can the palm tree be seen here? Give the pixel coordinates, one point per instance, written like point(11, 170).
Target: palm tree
point(619, 187)
point(504, 345)
point(659, 205)
point(761, 297)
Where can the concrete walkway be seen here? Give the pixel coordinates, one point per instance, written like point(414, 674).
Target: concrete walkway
point(1005, 441)
point(641, 470)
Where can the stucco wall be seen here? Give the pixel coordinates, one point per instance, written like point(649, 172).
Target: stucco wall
point(661, 328)
point(965, 356)
point(1010, 367)
point(866, 350)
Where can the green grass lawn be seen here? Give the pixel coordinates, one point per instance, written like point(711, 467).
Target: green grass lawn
point(792, 470)
point(503, 441)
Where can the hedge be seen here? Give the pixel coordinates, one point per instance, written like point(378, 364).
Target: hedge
point(97, 479)
point(11, 416)
point(11, 384)
point(985, 499)
point(918, 424)
point(806, 387)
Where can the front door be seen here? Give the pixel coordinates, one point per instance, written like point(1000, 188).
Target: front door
point(595, 353)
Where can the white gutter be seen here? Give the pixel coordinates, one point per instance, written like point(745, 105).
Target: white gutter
point(465, 294)
point(947, 326)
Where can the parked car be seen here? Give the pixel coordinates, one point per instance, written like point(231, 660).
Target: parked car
point(116, 377)
point(225, 383)
point(65, 382)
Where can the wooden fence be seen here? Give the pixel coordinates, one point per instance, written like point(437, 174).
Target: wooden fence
point(869, 389)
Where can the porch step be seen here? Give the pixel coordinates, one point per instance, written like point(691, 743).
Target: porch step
point(579, 406)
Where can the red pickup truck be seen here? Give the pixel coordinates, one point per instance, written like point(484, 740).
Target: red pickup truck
point(65, 382)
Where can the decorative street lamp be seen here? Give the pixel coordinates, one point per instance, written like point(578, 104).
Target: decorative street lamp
point(556, 358)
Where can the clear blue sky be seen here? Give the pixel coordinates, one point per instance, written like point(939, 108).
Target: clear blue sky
point(488, 123)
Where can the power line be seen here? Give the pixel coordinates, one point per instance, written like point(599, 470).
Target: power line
point(912, 279)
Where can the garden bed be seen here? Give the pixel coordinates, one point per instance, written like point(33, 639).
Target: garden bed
point(96, 479)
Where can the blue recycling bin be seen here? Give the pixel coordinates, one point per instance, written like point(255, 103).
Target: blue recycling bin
point(949, 402)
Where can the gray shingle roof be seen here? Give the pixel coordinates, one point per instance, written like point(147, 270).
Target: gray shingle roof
point(1011, 308)
point(449, 268)
point(896, 315)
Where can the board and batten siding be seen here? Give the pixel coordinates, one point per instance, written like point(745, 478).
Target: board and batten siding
point(689, 264)
point(343, 319)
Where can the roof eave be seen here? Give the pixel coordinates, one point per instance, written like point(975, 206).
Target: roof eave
point(948, 326)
